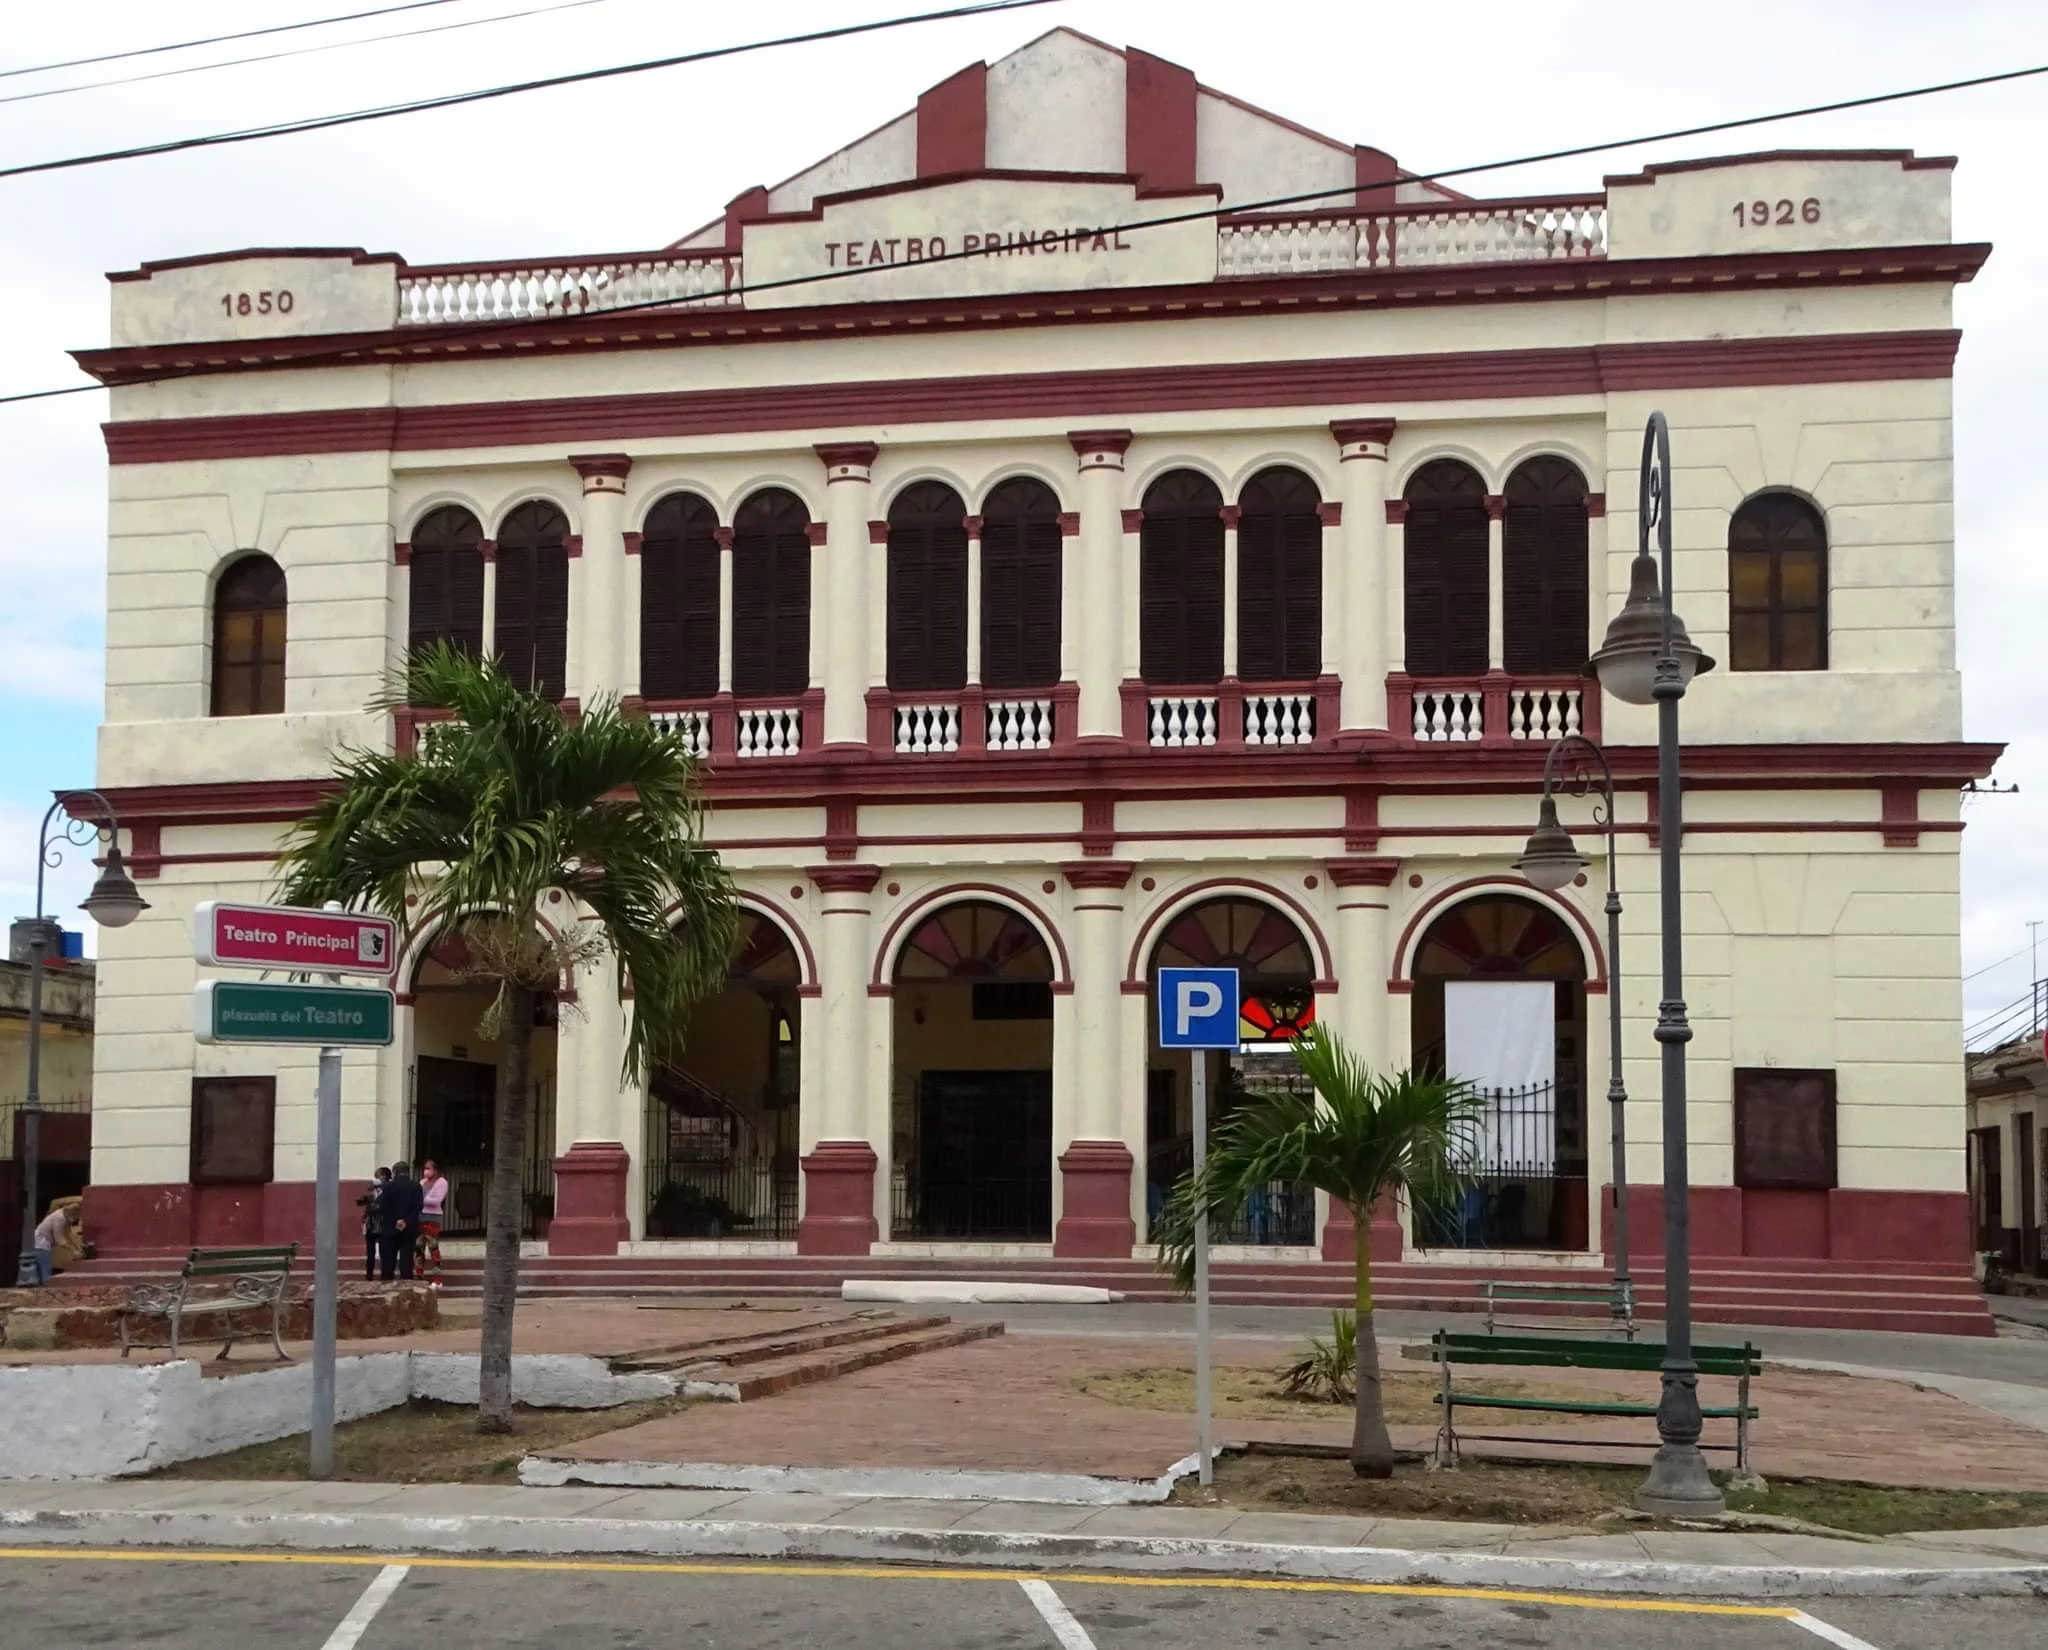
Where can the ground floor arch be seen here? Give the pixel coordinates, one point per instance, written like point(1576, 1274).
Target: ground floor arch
point(721, 1122)
point(1277, 974)
point(458, 1054)
point(1500, 999)
point(971, 1077)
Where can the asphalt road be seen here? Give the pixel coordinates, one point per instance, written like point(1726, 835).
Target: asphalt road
point(262, 1602)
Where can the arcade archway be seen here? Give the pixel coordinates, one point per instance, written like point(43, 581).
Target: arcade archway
point(1276, 984)
point(1500, 999)
point(722, 1116)
point(971, 1096)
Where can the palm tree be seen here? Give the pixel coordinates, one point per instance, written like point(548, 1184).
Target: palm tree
point(508, 802)
point(1360, 1137)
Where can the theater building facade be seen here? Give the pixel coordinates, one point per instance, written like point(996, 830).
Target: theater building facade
point(1066, 564)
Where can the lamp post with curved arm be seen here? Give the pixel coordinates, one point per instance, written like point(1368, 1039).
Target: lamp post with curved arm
point(113, 903)
point(1550, 861)
point(1647, 659)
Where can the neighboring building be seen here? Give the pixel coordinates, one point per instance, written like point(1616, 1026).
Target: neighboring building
point(1114, 597)
point(2008, 1097)
point(64, 1078)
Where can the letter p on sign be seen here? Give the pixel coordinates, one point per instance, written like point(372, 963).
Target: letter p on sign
point(1198, 1008)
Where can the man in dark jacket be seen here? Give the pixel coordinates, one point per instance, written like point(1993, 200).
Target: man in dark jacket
point(398, 1216)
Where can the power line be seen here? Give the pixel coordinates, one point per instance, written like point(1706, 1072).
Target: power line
point(477, 332)
point(2002, 961)
point(451, 100)
point(298, 51)
point(220, 39)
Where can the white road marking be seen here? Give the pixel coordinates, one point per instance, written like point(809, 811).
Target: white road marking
point(1071, 1634)
point(375, 1597)
point(1834, 1635)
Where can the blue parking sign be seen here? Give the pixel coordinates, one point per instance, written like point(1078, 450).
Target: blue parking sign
point(1198, 1008)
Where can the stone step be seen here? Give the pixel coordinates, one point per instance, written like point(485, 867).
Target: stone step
point(763, 1345)
point(764, 1378)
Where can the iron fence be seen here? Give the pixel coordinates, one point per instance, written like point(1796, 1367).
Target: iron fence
point(456, 1135)
point(741, 1198)
point(1281, 1214)
point(1521, 1177)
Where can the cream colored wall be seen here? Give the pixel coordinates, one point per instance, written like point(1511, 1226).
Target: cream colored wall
point(65, 1068)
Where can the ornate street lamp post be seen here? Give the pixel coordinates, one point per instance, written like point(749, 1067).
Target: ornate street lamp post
point(1647, 658)
point(113, 903)
point(1550, 862)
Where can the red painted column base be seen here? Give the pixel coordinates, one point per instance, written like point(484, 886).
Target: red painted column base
point(1095, 1201)
point(1847, 1223)
point(1340, 1232)
point(590, 1200)
point(839, 1199)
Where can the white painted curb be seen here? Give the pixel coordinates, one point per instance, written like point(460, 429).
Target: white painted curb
point(966, 1292)
point(1067, 1489)
point(399, 1534)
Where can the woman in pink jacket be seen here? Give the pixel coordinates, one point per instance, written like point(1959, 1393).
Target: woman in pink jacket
point(433, 1201)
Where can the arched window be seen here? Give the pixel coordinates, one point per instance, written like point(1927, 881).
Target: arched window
point(771, 595)
point(1020, 586)
point(445, 602)
point(927, 590)
point(1544, 567)
point(1279, 578)
point(1443, 563)
point(679, 599)
point(1180, 581)
point(248, 639)
point(532, 623)
point(1777, 585)
point(1275, 968)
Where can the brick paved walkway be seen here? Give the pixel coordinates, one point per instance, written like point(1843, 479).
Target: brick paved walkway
point(1011, 1405)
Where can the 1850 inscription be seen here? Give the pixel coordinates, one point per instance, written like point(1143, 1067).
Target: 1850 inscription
point(256, 303)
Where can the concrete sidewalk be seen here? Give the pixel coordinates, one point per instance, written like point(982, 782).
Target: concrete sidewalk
point(693, 1524)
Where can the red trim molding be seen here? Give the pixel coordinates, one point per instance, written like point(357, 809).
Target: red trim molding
point(954, 893)
point(1707, 363)
point(601, 467)
point(1098, 873)
point(1363, 873)
point(813, 531)
point(1138, 964)
point(845, 879)
point(1899, 805)
point(1397, 511)
point(1458, 893)
point(952, 124)
point(1331, 515)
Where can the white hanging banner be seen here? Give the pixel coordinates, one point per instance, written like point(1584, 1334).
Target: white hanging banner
point(1501, 1036)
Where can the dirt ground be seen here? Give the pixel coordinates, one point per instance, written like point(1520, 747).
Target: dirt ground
point(1250, 1392)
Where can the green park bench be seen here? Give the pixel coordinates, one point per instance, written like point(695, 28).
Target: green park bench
point(1616, 1301)
point(1448, 1350)
point(252, 1279)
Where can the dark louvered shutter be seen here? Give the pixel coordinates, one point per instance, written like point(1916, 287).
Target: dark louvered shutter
point(679, 600)
point(533, 598)
point(445, 600)
point(1020, 586)
point(1280, 579)
point(1544, 568)
point(1180, 581)
point(771, 596)
point(1444, 571)
point(927, 602)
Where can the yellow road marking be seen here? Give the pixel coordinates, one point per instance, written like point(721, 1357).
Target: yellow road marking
point(861, 1572)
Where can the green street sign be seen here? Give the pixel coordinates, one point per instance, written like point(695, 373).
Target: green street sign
point(317, 1016)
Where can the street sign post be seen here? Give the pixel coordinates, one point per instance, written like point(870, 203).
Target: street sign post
point(281, 936)
point(301, 1016)
point(1198, 1011)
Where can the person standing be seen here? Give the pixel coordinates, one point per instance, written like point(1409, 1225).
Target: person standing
point(433, 1200)
point(372, 1222)
point(398, 1225)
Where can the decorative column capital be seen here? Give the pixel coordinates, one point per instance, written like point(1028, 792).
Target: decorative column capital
point(1363, 873)
point(602, 472)
point(815, 534)
point(1098, 873)
point(1496, 506)
point(1331, 515)
point(845, 879)
point(1100, 449)
point(1397, 511)
point(722, 537)
point(1133, 520)
point(1362, 437)
point(878, 532)
point(1596, 505)
point(1231, 514)
point(847, 460)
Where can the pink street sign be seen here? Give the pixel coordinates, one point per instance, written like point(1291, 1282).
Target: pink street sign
point(278, 936)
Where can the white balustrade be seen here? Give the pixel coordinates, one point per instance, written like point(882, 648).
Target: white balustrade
point(1177, 721)
point(1476, 232)
point(1448, 715)
point(693, 725)
point(1019, 724)
point(438, 296)
point(924, 730)
point(1280, 719)
point(770, 732)
point(426, 735)
point(1544, 713)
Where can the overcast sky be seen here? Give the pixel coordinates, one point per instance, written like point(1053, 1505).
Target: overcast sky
point(635, 162)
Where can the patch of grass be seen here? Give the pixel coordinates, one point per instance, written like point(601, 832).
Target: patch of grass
point(427, 1443)
point(1248, 1393)
point(1587, 1494)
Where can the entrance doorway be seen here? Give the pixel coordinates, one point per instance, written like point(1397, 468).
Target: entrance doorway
point(722, 1117)
point(1987, 1188)
point(1500, 999)
point(971, 1100)
point(2027, 1186)
point(454, 1091)
point(1276, 984)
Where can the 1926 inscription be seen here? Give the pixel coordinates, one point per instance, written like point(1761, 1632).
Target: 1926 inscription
point(256, 303)
point(1773, 214)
